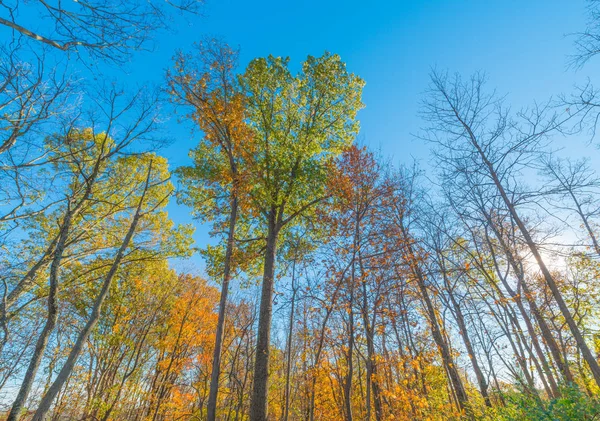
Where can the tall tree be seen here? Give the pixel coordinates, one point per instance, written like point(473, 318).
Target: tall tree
point(206, 83)
point(299, 123)
point(493, 149)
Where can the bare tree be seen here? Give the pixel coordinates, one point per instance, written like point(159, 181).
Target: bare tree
point(477, 136)
point(587, 42)
point(439, 239)
point(403, 214)
point(105, 29)
point(574, 188)
point(30, 94)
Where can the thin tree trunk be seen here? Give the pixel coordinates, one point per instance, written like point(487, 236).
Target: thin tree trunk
point(216, 363)
point(544, 370)
point(67, 368)
point(350, 372)
point(329, 310)
point(51, 318)
point(288, 364)
point(446, 355)
point(24, 283)
point(372, 381)
point(455, 380)
point(562, 305)
point(561, 363)
point(460, 319)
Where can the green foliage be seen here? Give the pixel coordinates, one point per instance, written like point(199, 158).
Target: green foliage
point(573, 405)
point(299, 123)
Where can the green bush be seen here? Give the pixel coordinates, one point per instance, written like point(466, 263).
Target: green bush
point(573, 405)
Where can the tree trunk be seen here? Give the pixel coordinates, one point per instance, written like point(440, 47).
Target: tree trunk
point(350, 372)
point(67, 368)
point(51, 318)
point(258, 404)
point(288, 364)
point(454, 377)
point(544, 370)
point(460, 319)
point(562, 305)
point(216, 363)
point(372, 381)
point(562, 364)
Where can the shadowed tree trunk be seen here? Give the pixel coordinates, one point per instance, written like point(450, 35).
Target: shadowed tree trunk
point(288, 363)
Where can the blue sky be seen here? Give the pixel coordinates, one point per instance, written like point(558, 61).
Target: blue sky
point(393, 45)
point(522, 45)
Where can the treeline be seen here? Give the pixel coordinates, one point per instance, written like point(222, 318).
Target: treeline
point(383, 293)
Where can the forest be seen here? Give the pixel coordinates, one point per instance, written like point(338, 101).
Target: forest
point(336, 283)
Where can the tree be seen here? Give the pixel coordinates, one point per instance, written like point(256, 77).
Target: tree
point(207, 84)
point(154, 193)
point(404, 212)
point(91, 170)
point(443, 255)
point(298, 123)
point(30, 95)
point(493, 152)
point(103, 29)
point(587, 42)
point(358, 189)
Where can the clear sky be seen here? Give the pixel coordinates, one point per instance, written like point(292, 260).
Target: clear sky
point(521, 44)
